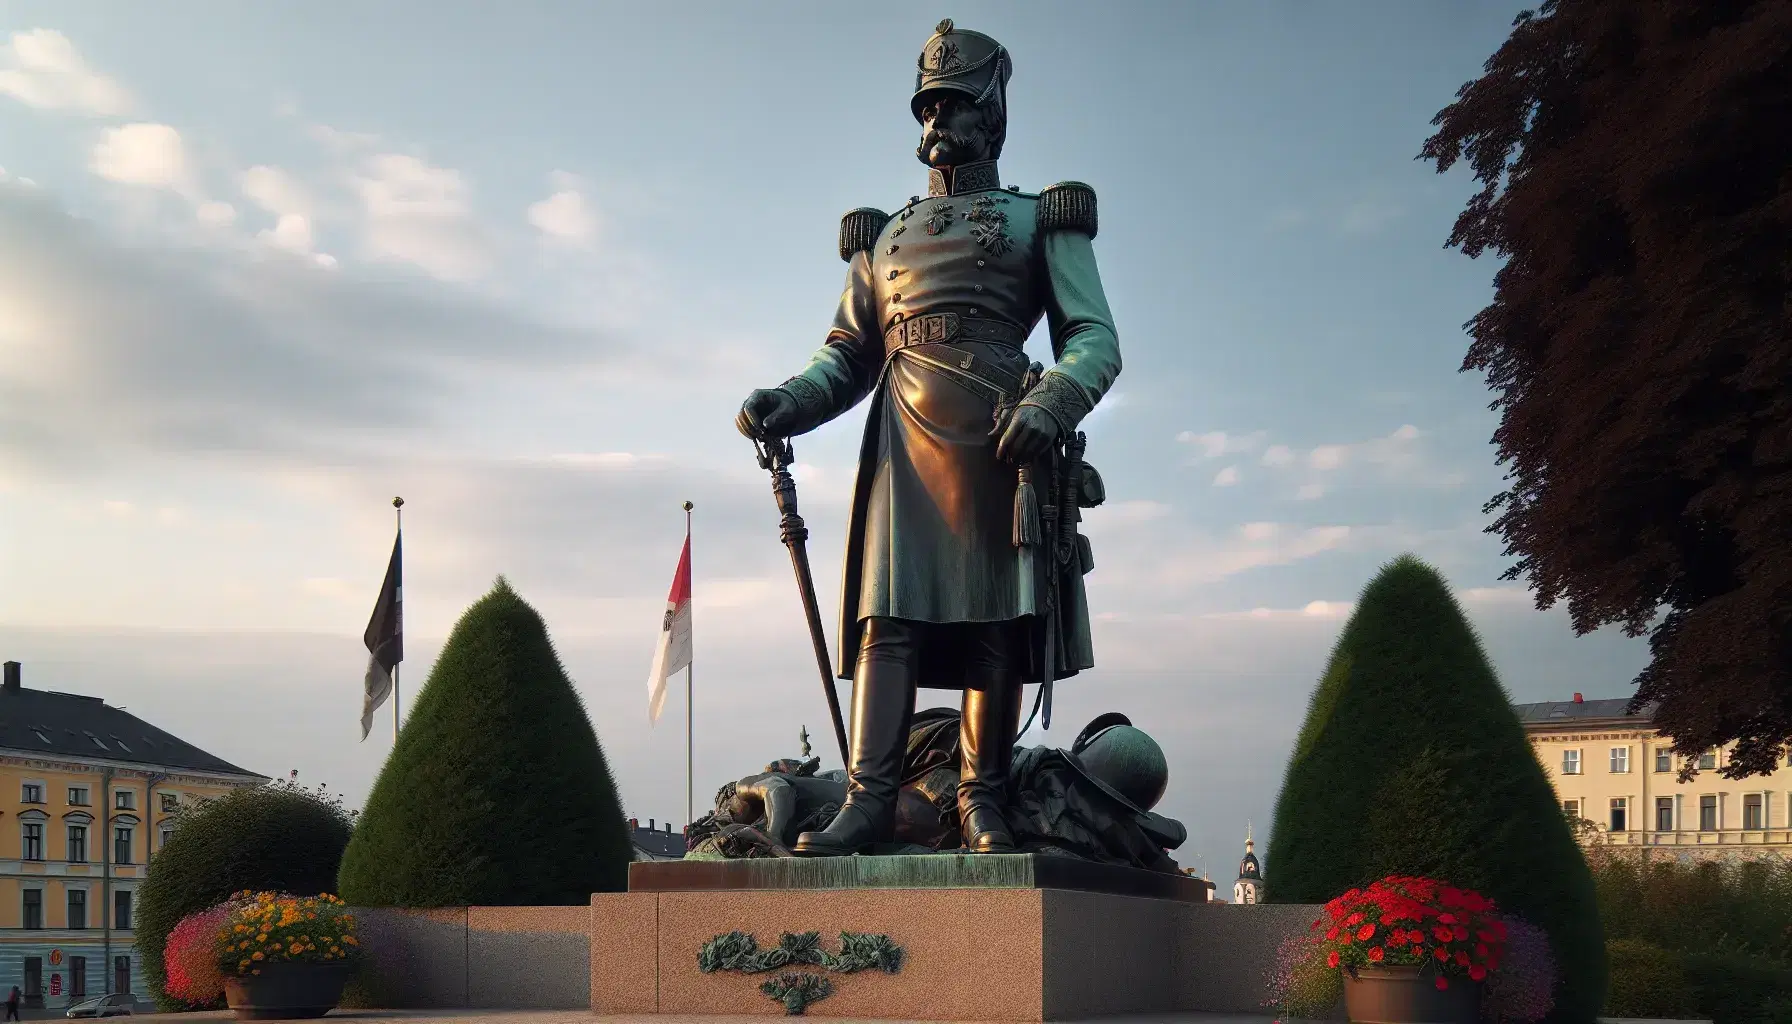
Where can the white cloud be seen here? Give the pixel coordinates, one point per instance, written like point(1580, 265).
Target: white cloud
point(41, 68)
point(1226, 477)
point(276, 191)
point(217, 214)
point(291, 232)
point(420, 214)
point(565, 216)
point(1328, 456)
point(150, 155)
point(1278, 455)
point(1217, 443)
point(1310, 492)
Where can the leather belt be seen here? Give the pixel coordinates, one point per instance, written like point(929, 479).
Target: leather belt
point(938, 328)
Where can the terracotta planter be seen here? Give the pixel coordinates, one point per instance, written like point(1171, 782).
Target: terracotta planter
point(287, 991)
point(1402, 995)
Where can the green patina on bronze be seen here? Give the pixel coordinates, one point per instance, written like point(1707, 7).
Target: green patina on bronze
point(797, 990)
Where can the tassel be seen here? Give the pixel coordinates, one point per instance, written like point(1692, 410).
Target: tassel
point(1026, 511)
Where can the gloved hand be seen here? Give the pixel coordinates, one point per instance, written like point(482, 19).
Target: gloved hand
point(1030, 431)
point(768, 412)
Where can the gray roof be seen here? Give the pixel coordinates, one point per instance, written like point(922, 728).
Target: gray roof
point(74, 726)
point(1565, 711)
point(660, 844)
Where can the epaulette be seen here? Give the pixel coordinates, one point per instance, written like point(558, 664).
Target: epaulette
point(1067, 206)
point(859, 230)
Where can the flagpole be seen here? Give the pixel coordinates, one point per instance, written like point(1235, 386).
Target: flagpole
point(690, 715)
point(398, 513)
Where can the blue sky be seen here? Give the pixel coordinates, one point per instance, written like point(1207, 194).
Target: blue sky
point(264, 266)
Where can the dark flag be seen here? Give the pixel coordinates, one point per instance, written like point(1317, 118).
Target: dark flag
point(385, 639)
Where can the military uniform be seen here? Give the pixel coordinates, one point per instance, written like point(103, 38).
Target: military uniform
point(939, 300)
point(945, 576)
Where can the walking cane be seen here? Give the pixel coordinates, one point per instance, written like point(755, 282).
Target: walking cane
point(776, 455)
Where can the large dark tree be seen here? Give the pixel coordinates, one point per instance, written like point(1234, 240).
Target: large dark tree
point(1636, 165)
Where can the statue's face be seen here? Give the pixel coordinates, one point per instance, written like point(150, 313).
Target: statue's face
point(954, 131)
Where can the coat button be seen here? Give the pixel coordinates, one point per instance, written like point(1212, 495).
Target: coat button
point(893, 274)
point(896, 297)
point(976, 288)
point(980, 263)
point(891, 251)
point(973, 310)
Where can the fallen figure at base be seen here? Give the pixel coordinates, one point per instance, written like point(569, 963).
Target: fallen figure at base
point(1091, 802)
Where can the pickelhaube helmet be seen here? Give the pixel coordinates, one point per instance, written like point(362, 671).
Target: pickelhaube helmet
point(1126, 758)
point(961, 61)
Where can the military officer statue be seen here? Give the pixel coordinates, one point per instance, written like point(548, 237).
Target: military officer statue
point(961, 571)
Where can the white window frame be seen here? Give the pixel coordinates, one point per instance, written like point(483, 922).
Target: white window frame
point(1573, 813)
point(86, 796)
point(124, 799)
point(1572, 762)
point(1664, 759)
point(29, 786)
point(1620, 761)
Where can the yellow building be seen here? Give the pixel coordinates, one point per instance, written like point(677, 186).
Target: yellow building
point(88, 793)
point(1612, 769)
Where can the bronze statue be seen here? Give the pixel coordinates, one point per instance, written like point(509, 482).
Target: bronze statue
point(963, 565)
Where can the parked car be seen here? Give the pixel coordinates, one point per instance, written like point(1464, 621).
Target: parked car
point(118, 1004)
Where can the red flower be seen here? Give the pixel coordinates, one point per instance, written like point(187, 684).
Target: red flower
point(1461, 958)
point(1442, 954)
point(1460, 934)
point(1415, 936)
point(1477, 972)
point(1331, 933)
point(1332, 960)
point(1446, 919)
point(1441, 934)
point(1354, 920)
point(1442, 983)
point(1363, 933)
point(1376, 954)
point(1481, 951)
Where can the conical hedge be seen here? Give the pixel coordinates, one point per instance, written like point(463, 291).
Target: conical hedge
point(497, 793)
point(1412, 761)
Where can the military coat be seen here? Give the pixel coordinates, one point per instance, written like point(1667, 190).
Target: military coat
point(939, 301)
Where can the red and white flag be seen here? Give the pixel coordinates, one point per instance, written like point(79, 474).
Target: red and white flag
point(674, 651)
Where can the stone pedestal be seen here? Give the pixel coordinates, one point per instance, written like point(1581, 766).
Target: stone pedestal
point(992, 938)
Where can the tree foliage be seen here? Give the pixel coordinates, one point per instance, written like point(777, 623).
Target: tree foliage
point(1636, 176)
point(279, 836)
point(1412, 762)
point(497, 792)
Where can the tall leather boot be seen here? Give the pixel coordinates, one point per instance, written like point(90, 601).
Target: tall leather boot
point(986, 735)
point(883, 700)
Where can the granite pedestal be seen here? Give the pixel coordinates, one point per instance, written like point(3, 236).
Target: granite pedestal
point(985, 938)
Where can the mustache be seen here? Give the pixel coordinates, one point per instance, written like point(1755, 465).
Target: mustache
point(938, 135)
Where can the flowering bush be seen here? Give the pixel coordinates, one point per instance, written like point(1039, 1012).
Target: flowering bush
point(267, 927)
point(1301, 987)
point(1414, 922)
point(1522, 991)
point(191, 956)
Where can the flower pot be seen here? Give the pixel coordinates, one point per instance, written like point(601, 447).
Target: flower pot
point(287, 991)
point(1402, 995)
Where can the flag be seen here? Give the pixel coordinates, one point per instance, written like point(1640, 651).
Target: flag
point(674, 651)
point(385, 639)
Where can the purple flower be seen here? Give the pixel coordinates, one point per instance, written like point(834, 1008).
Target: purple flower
point(1522, 990)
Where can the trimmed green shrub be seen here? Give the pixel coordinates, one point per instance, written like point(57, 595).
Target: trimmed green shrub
point(1647, 981)
point(1694, 907)
point(279, 836)
point(1412, 762)
point(1732, 987)
point(496, 793)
